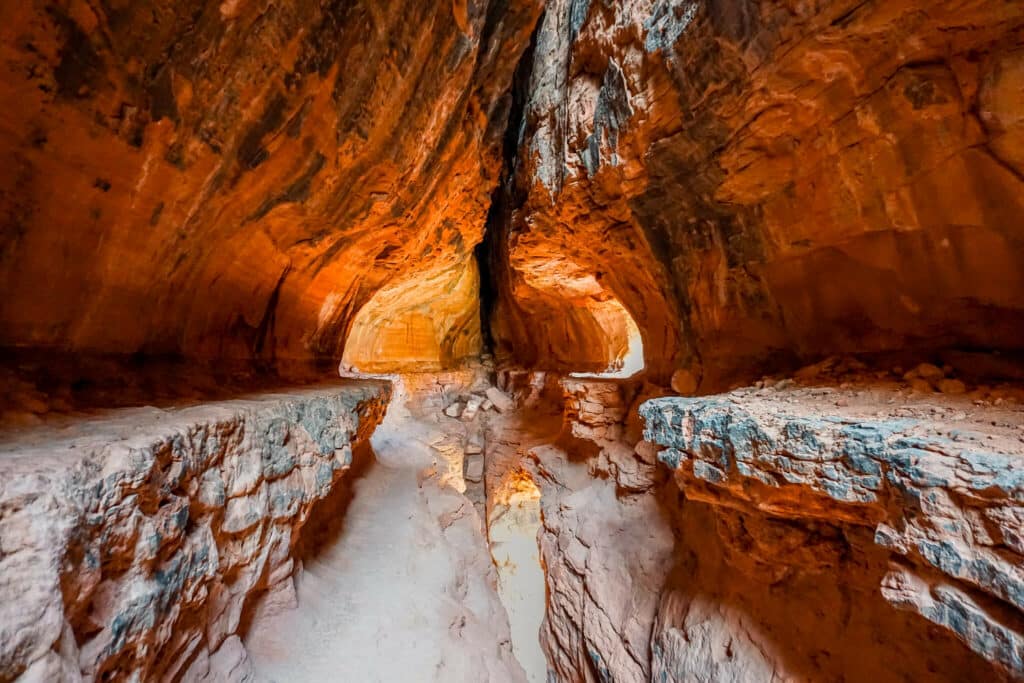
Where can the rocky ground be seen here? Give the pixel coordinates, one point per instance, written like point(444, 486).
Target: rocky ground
point(680, 577)
point(784, 529)
point(40, 389)
point(639, 208)
point(383, 574)
point(138, 541)
point(920, 491)
point(405, 589)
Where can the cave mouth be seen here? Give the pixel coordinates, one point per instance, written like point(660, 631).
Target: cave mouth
point(428, 322)
point(677, 339)
point(621, 339)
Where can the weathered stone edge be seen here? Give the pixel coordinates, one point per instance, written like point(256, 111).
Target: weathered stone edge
point(146, 551)
point(922, 495)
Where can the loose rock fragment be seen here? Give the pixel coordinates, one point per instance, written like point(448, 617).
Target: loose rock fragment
point(472, 407)
point(503, 403)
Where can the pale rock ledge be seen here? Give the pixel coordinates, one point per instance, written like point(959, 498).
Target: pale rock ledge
point(140, 541)
point(944, 496)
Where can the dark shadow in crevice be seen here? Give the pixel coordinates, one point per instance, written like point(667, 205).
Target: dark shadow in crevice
point(53, 383)
point(489, 254)
point(326, 522)
point(328, 517)
point(832, 624)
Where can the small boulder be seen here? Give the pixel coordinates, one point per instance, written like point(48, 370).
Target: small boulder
point(929, 372)
point(474, 469)
point(454, 410)
point(818, 369)
point(503, 403)
point(684, 382)
point(472, 407)
point(921, 385)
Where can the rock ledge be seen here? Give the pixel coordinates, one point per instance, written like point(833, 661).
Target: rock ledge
point(946, 498)
point(140, 542)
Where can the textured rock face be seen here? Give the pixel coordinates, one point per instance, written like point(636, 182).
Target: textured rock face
point(716, 186)
point(757, 181)
point(139, 544)
point(674, 580)
point(238, 179)
point(409, 326)
point(400, 585)
point(930, 509)
point(605, 543)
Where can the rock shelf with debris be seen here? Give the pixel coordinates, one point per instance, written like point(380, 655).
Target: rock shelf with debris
point(923, 467)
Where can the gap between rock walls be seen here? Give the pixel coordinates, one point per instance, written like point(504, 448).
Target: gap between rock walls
point(678, 341)
point(506, 524)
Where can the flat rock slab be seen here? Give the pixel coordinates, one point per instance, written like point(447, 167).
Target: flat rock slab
point(502, 401)
point(938, 478)
point(146, 530)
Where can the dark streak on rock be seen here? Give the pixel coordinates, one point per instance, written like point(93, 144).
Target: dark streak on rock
point(161, 96)
point(154, 219)
point(251, 152)
point(80, 70)
point(297, 192)
point(264, 330)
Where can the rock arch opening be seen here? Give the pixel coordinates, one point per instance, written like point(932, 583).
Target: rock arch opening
point(426, 323)
point(621, 339)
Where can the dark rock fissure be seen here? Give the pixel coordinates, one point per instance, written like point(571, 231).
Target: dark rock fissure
point(503, 198)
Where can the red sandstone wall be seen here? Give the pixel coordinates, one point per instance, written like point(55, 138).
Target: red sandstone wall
point(239, 178)
point(759, 181)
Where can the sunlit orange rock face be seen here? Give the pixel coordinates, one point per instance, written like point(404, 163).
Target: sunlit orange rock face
point(238, 179)
point(761, 182)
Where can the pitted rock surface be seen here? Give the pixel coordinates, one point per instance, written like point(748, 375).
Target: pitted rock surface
point(238, 179)
point(939, 483)
point(759, 182)
point(136, 543)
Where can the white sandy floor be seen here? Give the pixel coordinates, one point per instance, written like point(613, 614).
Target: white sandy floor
point(406, 592)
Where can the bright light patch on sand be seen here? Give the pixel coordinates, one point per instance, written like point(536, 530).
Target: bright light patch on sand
point(513, 536)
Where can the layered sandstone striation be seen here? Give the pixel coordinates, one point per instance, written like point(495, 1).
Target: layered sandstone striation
point(139, 543)
point(238, 179)
point(426, 323)
point(758, 182)
point(625, 202)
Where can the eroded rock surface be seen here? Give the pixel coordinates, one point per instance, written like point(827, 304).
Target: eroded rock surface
point(926, 499)
point(401, 587)
point(138, 543)
point(684, 194)
point(680, 578)
point(238, 179)
point(605, 544)
point(757, 181)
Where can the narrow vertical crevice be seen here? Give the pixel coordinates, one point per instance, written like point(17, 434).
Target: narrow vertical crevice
point(488, 290)
point(505, 198)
